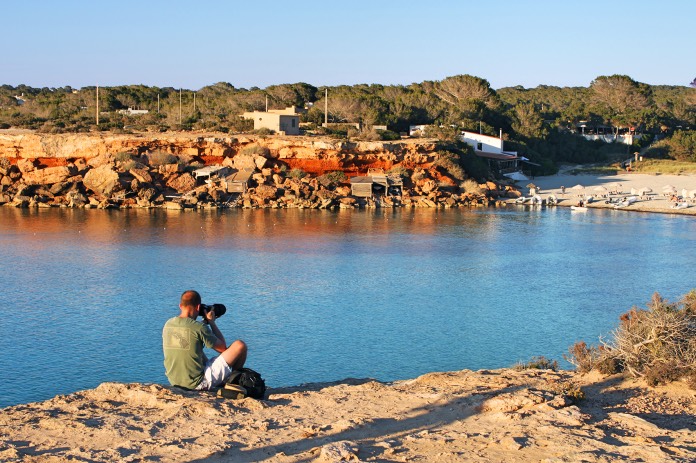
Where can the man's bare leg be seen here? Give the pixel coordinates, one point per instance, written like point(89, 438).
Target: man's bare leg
point(236, 354)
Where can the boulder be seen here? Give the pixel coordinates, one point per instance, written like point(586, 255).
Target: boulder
point(343, 190)
point(147, 194)
point(172, 205)
point(266, 192)
point(169, 169)
point(102, 180)
point(259, 178)
point(142, 175)
point(244, 161)
point(80, 164)
point(260, 161)
point(47, 176)
point(25, 165)
point(182, 183)
point(428, 185)
point(99, 161)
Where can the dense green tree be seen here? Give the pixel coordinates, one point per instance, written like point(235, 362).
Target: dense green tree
point(621, 100)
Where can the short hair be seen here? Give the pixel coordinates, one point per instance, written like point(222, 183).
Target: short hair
point(190, 298)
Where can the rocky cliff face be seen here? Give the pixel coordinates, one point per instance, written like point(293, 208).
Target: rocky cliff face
point(312, 155)
point(148, 170)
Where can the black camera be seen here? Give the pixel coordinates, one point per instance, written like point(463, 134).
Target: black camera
point(219, 310)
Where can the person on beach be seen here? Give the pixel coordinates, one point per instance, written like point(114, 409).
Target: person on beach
point(183, 339)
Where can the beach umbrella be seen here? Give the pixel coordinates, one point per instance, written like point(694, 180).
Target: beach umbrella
point(644, 190)
point(669, 187)
point(670, 190)
point(578, 187)
point(531, 185)
point(600, 188)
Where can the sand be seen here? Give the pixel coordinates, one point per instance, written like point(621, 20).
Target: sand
point(465, 416)
point(655, 201)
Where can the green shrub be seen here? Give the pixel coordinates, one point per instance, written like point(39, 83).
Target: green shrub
point(263, 131)
point(332, 178)
point(160, 158)
point(297, 173)
point(388, 135)
point(255, 150)
point(399, 170)
point(123, 157)
point(538, 363)
point(128, 165)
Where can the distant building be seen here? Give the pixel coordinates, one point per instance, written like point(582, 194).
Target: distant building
point(416, 130)
point(132, 112)
point(606, 133)
point(491, 149)
point(284, 121)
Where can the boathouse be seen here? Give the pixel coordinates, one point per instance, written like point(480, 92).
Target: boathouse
point(376, 183)
point(238, 182)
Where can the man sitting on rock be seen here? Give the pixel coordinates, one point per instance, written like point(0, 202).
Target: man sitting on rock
point(183, 339)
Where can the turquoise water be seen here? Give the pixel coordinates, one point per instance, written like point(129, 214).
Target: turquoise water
point(321, 296)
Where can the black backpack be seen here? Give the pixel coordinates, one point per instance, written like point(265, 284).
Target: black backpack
point(244, 383)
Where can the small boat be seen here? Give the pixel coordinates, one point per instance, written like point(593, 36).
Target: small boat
point(578, 208)
point(626, 202)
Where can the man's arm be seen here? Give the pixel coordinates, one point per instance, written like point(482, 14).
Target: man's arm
point(220, 344)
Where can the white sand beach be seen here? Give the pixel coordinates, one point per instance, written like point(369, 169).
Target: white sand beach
point(624, 184)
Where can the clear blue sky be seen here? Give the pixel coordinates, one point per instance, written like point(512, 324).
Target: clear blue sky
point(191, 44)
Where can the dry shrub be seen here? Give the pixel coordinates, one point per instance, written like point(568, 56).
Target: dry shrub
point(471, 186)
point(657, 343)
point(582, 357)
point(449, 162)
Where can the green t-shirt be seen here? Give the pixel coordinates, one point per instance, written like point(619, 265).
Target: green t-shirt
point(182, 341)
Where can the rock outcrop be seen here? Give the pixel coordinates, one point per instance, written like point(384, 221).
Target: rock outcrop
point(156, 170)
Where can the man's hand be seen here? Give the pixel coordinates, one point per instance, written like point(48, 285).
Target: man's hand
point(210, 316)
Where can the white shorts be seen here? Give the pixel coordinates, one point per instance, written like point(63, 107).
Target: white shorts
point(215, 373)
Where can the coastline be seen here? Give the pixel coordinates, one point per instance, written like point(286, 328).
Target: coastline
point(655, 201)
point(488, 415)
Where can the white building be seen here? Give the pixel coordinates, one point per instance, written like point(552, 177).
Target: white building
point(285, 121)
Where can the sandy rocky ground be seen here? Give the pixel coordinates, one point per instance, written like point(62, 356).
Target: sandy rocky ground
point(655, 201)
point(483, 416)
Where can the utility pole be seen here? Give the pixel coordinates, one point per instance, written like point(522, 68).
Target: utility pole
point(179, 105)
point(266, 103)
point(158, 104)
point(326, 107)
point(97, 104)
point(194, 102)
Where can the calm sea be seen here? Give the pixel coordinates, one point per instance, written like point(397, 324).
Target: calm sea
point(322, 296)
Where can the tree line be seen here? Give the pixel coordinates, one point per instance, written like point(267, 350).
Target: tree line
point(538, 122)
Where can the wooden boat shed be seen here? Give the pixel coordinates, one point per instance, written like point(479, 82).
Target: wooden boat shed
point(376, 184)
point(209, 172)
point(238, 182)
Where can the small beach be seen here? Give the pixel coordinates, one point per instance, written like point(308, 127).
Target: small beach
point(626, 184)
